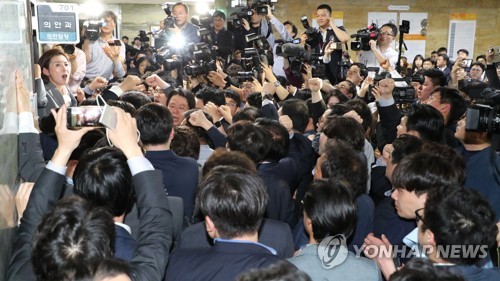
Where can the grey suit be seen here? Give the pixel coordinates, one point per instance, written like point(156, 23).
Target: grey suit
point(353, 268)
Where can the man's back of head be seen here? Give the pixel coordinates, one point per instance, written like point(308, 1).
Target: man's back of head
point(154, 122)
point(234, 199)
point(71, 240)
point(427, 122)
point(250, 139)
point(297, 111)
point(102, 176)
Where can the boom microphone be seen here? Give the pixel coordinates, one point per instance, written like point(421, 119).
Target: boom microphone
point(294, 50)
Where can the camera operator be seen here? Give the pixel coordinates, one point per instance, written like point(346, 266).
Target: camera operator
point(187, 30)
point(381, 50)
point(330, 33)
point(261, 25)
point(223, 39)
point(104, 60)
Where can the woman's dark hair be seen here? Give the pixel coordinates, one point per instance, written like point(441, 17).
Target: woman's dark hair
point(44, 61)
point(185, 142)
point(345, 129)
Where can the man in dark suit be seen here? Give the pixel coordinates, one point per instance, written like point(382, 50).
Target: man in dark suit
point(41, 246)
point(223, 39)
point(233, 201)
point(442, 64)
point(196, 236)
point(331, 36)
point(155, 123)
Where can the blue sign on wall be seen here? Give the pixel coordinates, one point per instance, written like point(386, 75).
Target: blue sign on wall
point(58, 23)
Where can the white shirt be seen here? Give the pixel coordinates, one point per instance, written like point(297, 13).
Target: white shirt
point(368, 58)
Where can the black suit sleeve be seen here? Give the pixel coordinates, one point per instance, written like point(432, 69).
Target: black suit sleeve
point(155, 227)
point(46, 192)
point(390, 117)
point(31, 161)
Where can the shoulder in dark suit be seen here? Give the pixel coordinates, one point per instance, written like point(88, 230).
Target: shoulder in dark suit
point(124, 244)
point(195, 236)
point(223, 261)
point(302, 153)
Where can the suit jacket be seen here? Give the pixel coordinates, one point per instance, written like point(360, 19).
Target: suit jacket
point(180, 176)
point(54, 99)
point(332, 68)
point(353, 268)
point(224, 40)
point(223, 261)
point(302, 153)
point(178, 223)
point(280, 206)
point(154, 239)
point(272, 233)
point(31, 161)
point(390, 117)
point(124, 244)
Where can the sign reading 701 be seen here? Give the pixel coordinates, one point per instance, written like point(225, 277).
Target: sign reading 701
point(57, 23)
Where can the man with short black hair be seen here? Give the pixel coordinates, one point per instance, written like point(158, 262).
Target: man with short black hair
point(154, 122)
point(223, 39)
point(442, 64)
point(103, 59)
point(233, 201)
point(381, 51)
point(433, 78)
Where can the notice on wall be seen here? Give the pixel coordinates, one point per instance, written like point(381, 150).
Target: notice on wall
point(12, 22)
point(415, 40)
point(461, 33)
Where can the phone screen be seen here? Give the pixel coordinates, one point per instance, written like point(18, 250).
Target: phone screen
point(115, 43)
point(84, 116)
point(466, 63)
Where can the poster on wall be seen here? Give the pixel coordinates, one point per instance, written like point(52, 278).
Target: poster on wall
point(415, 40)
point(382, 18)
point(461, 33)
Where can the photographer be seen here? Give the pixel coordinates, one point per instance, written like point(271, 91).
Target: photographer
point(187, 30)
point(330, 33)
point(223, 39)
point(261, 25)
point(103, 59)
point(381, 50)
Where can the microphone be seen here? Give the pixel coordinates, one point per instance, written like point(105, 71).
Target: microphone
point(294, 50)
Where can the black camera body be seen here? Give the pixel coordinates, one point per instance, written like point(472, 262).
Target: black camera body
point(363, 37)
point(143, 36)
point(245, 13)
point(261, 7)
point(312, 33)
point(483, 118)
point(401, 95)
point(169, 21)
point(92, 29)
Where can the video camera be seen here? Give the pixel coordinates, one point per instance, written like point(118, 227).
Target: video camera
point(260, 7)
point(245, 13)
point(169, 21)
point(202, 60)
point(401, 95)
point(262, 49)
point(363, 37)
point(143, 36)
point(483, 118)
point(92, 29)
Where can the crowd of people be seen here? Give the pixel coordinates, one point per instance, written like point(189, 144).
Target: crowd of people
point(289, 173)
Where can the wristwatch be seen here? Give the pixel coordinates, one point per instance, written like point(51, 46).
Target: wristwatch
point(277, 84)
point(217, 124)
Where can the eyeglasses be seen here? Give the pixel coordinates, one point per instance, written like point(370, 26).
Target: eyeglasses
point(418, 216)
point(231, 104)
point(386, 33)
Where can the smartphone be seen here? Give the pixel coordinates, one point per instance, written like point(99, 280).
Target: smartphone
point(84, 116)
point(115, 43)
point(466, 63)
